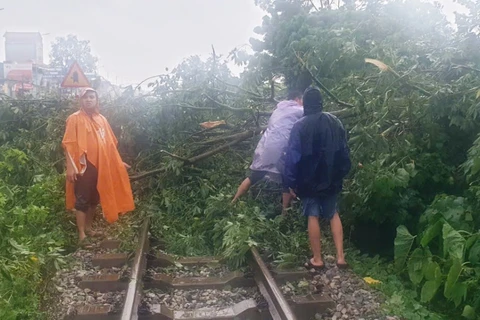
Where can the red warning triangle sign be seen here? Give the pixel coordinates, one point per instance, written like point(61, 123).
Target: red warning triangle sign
point(75, 78)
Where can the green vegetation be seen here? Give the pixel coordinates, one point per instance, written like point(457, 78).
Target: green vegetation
point(33, 232)
point(404, 82)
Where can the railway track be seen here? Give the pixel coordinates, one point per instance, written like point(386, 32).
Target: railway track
point(156, 282)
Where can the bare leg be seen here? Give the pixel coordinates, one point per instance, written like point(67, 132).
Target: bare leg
point(314, 236)
point(89, 219)
point(337, 232)
point(81, 217)
point(286, 199)
point(242, 189)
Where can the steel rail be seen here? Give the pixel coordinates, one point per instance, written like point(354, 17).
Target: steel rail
point(134, 291)
point(277, 304)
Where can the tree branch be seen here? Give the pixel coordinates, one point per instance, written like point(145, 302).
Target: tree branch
point(189, 106)
point(221, 148)
point(314, 6)
point(174, 156)
point(257, 95)
point(147, 174)
point(241, 137)
point(152, 77)
point(456, 66)
point(328, 92)
point(232, 136)
point(227, 106)
point(272, 90)
point(226, 125)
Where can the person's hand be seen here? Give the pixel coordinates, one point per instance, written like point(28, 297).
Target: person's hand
point(71, 175)
point(127, 166)
point(292, 193)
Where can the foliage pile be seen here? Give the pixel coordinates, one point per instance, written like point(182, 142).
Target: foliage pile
point(407, 85)
point(404, 82)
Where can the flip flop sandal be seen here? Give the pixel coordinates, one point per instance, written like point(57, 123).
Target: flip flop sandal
point(308, 265)
point(95, 234)
point(343, 266)
point(86, 243)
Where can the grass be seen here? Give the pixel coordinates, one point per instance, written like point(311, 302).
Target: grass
point(401, 299)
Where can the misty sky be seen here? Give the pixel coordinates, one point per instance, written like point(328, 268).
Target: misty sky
point(137, 39)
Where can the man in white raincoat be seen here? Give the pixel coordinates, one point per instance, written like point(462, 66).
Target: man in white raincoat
point(269, 156)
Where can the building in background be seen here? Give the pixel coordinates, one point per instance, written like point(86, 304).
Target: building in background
point(23, 53)
point(18, 77)
point(24, 47)
point(24, 71)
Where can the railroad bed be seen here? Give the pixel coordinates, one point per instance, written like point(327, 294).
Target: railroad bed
point(150, 284)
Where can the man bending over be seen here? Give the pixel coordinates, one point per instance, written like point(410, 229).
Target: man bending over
point(269, 156)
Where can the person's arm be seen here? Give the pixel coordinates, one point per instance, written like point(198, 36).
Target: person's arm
point(292, 159)
point(71, 174)
point(68, 141)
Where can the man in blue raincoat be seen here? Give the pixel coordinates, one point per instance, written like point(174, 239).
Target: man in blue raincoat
point(317, 161)
point(269, 156)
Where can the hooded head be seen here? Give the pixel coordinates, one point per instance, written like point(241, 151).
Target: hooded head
point(312, 101)
point(295, 95)
point(89, 100)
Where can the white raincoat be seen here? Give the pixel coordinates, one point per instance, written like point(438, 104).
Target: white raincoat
point(270, 152)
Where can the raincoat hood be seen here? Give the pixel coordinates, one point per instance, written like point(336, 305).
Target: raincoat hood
point(312, 101)
point(83, 91)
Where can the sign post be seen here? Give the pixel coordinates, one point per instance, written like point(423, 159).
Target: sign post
point(75, 78)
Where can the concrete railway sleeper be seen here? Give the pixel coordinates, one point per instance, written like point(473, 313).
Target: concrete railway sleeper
point(195, 288)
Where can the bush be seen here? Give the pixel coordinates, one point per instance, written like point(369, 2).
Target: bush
point(33, 233)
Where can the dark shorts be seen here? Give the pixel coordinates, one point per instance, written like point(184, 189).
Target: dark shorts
point(256, 175)
point(320, 207)
point(86, 194)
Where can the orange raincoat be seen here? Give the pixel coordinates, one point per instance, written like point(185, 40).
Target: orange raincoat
point(93, 136)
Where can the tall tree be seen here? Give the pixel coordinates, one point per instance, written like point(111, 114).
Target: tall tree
point(66, 50)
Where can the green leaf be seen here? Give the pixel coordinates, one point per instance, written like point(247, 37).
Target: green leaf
point(453, 243)
point(475, 166)
point(403, 176)
point(432, 231)
point(459, 293)
point(5, 273)
point(402, 245)
point(432, 271)
point(468, 312)
point(471, 241)
point(428, 290)
point(474, 253)
point(415, 266)
point(452, 278)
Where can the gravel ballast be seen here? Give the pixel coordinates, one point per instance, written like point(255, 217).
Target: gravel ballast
point(199, 299)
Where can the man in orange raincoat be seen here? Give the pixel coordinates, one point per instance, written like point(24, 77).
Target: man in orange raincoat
point(95, 171)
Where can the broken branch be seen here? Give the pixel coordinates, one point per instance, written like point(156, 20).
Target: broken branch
point(233, 136)
point(174, 156)
point(241, 137)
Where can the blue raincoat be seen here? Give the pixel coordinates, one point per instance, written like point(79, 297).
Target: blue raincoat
point(318, 158)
